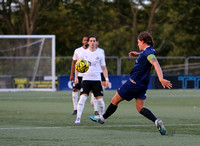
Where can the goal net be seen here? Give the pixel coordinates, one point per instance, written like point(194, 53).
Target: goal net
point(27, 63)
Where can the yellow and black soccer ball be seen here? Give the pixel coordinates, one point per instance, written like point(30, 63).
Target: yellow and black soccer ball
point(82, 66)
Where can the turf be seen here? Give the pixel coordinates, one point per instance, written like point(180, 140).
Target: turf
point(44, 118)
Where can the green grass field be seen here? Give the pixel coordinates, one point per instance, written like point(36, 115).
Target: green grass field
point(44, 118)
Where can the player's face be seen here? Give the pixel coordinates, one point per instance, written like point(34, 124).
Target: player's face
point(84, 41)
point(141, 45)
point(97, 44)
point(92, 43)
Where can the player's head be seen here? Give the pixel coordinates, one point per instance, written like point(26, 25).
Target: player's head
point(146, 37)
point(92, 41)
point(92, 36)
point(84, 41)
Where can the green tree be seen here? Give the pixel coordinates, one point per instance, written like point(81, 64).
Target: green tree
point(73, 20)
point(185, 30)
point(21, 17)
point(173, 24)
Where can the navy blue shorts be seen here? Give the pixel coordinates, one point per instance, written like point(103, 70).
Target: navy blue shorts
point(130, 90)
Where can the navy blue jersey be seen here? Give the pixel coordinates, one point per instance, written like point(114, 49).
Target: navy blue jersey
point(141, 69)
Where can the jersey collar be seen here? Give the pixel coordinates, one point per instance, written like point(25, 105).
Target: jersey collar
point(146, 47)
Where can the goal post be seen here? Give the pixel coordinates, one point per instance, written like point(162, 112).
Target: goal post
point(27, 63)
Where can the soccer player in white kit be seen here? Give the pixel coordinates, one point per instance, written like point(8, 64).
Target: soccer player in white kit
point(93, 100)
point(77, 86)
point(92, 78)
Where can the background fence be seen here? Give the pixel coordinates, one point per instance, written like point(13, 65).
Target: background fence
point(184, 73)
point(176, 65)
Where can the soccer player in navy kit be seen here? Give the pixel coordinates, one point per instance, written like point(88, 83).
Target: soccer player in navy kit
point(138, 82)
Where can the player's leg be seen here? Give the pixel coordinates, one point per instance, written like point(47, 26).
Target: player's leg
point(121, 92)
point(100, 104)
point(113, 105)
point(76, 87)
point(81, 105)
point(85, 89)
point(93, 102)
point(75, 100)
point(149, 115)
point(144, 111)
point(98, 94)
point(109, 111)
point(91, 99)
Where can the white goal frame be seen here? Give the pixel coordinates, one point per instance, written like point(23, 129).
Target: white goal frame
point(53, 62)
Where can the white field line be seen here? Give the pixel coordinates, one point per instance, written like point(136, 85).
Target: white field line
point(78, 126)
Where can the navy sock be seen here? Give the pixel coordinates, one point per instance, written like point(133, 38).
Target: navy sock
point(109, 111)
point(148, 114)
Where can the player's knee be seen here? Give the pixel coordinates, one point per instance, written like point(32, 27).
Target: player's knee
point(115, 101)
point(84, 94)
point(139, 108)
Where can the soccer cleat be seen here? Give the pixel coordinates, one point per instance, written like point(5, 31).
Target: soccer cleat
point(78, 120)
point(97, 119)
point(74, 112)
point(96, 113)
point(161, 127)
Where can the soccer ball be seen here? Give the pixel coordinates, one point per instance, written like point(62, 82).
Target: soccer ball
point(82, 66)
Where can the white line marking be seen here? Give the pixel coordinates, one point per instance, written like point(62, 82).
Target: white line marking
point(32, 128)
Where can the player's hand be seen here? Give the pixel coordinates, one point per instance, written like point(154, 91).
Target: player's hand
point(71, 78)
point(166, 83)
point(76, 81)
point(107, 84)
point(133, 54)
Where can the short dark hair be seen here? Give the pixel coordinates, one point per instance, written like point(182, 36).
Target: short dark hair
point(85, 36)
point(92, 36)
point(146, 37)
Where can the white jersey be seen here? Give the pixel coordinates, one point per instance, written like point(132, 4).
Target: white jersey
point(96, 59)
point(102, 51)
point(76, 56)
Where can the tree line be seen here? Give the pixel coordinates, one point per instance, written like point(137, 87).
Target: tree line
point(174, 24)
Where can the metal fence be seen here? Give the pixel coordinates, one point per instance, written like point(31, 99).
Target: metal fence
point(176, 65)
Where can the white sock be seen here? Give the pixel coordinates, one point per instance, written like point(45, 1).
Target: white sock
point(102, 118)
point(101, 106)
point(94, 102)
point(75, 99)
point(91, 100)
point(81, 105)
point(156, 122)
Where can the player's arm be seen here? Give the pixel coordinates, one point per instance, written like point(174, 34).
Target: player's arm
point(76, 77)
point(133, 54)
point(105, 73)
point(165, 83)
point(72, 70)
